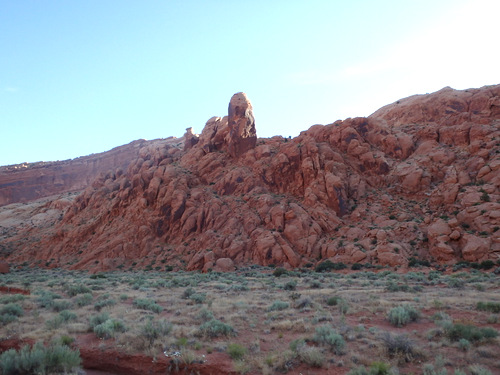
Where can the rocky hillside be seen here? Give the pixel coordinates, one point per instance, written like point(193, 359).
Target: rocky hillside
point(30, 181)
point(417, 179)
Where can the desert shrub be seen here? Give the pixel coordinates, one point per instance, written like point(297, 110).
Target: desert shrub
point(333, 301)
point(402, 315)
point(75, 289)
point(109, 328)
point(236, 351)
point(198, 298)
point(188, 293)
point(392, 286)
point(39, 360)
point(458, 331)
point(12, 309)
point(12, 298)
point(303, 303)
point(63, 317)
point(325, 335)
point(478, 370)
point(99, 305)
point(10, 313)
point(278, 306)
point(456, 283)
point(486, 264)
point(148, 304)
point(61, 305)
point(46, 299)
point(413, 262)
point(216, 328)
point(205, 315)
point(280, 272)
point(290, 285)
point(153, 330)
point(493, 307)
point(328, 265)
point(84, 300)
point(376, 368)
point(464, 344)
point(98, 319)
point(311, 356)
point(398, 345)
point(356, 266)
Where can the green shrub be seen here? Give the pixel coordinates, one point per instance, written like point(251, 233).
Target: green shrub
point(84, 300)
point(12, 298)
point(198, 298)
point(493, 307)
point(148, 304)
point(328, 265)
point(290, 285)
point(205, 315)
point(311, 356)
point(279, 272)
point(325, 335)
point(99, 305)
point(278, 306)
point(455, 332)
point(333, 301)
point(12, 309)
point(61, 305)
point(236, 351)
point(153, 330)
point(39, 360)
point(75, 289)
point(401, 315)
point(109, 328)
point(356, 266)
point(98, 319)
point(216, 328)
point(398, 346)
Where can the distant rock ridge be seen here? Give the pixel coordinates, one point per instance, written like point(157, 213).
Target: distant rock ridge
point(29, 181)
point(419, 179)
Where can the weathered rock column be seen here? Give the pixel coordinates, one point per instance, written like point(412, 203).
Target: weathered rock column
point(242, 135)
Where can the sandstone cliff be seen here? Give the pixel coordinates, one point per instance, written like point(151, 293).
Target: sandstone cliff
point(29, 181)
point(418, 178)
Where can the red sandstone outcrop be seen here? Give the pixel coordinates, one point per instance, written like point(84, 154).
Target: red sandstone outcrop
point(4, 267)
point(31, 181)
point(398, 184)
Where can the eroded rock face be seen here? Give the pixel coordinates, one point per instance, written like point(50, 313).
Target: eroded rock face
point(242, 134)
point(374, 190)
point(31, 181)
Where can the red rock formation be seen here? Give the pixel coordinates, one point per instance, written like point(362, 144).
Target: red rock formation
point(4, 267)
point(242, 134)
point(30, 181)
point(398, 184)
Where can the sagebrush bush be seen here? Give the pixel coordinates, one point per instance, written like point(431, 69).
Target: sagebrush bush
point(398, 345)
point(236, 351)
point(12, 298)
point(153, 330)
point(109, 328)
point(458, 331)
point(216, 328)
point(402, 315)
point(75, 289)
point(278, 306)
point(493, 307)
point(148, 304)
point(39, 360)
point(84, 300)
point(311, 356)
point(98, 319)
point(326, 335)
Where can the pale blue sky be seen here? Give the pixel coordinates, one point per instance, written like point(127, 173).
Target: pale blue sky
point(80, 77)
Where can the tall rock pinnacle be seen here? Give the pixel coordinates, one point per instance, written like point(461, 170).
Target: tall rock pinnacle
point(242, 134)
